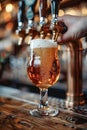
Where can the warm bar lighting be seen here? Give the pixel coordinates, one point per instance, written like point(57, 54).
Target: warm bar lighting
point(84, 10)
point(9, 8)
point(61, 12)
point(73, 11)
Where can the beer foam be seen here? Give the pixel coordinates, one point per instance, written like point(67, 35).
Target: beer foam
point(42, 43)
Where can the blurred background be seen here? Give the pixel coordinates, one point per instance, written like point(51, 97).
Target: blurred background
point(13, 57)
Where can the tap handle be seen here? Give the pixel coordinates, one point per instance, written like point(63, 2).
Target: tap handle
point(55, 7)
point(29, 12)
point(21, 13)
point(62, 26)
point(42, 11)
point(43, 7)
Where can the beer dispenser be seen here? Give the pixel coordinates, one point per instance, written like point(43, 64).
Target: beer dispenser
point(21, 18)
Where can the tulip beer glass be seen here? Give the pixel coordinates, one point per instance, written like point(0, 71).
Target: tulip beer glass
point(43, 70)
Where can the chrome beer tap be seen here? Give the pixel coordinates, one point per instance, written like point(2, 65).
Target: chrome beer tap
point(25, 28)
point(31, 30)
point(57, 27)
point(54, 21)
point(44, 24)
point(21, 18)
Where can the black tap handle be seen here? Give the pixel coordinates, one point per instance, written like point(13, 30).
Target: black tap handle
point(55, 6)
point(43, 7)
point(63, 27)
point(21, 12)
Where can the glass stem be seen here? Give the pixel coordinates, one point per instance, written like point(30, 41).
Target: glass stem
point(43, 99)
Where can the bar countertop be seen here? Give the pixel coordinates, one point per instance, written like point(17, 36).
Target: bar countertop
point(14, 113)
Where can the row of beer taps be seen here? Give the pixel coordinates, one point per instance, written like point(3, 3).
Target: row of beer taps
point(44, 29)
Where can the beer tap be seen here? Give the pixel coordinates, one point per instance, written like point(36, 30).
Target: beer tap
point(23, 31)
point(43, 6)
point(29, 14)
point(21, 18)
point(54, 22)
point(57, 27)
point(31, 30)
point(44, 24)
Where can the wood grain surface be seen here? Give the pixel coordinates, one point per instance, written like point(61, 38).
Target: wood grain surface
point(14, 115)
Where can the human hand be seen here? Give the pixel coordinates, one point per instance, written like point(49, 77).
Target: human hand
point(77, 27)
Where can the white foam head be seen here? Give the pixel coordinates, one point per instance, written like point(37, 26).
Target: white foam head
point(42, 43)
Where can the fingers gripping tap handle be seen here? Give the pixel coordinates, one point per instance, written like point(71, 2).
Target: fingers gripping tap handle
point(63, 27)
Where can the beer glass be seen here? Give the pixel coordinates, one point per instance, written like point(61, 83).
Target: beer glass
point(43, 69)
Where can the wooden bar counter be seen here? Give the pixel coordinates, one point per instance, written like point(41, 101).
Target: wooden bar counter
point(14, 113)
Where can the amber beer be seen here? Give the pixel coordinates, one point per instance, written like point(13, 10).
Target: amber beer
point(43, 67)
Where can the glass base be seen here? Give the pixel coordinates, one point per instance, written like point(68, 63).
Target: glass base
point(41, 112)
